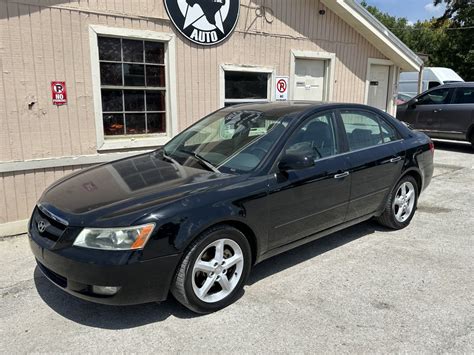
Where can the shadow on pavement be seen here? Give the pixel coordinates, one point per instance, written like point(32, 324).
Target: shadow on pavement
point(308, 251)
point(124, 317)
point(453, 146)
point(104, 316)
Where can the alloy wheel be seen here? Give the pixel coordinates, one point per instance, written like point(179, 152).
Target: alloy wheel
point(404, 201)
point(217, 270)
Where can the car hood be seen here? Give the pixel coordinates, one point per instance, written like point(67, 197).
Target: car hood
point(125, 187)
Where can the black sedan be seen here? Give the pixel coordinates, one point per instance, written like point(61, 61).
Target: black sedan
point(241, 185)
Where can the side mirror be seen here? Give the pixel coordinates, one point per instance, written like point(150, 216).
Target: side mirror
point(413, 103)
point(295, 162)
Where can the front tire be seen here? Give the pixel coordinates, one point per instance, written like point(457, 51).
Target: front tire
point(213, 270)
point(401, 204)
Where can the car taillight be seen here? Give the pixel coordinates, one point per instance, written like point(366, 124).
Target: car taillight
point(432, 147)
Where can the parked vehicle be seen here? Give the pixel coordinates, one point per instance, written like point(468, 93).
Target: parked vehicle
point(444, 112)
point(432, 77)
point(243, 184)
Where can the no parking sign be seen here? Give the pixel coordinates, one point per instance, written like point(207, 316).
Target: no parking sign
point(58, 92)
point(281, 92)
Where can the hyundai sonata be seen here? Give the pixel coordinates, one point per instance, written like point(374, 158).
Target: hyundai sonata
point(241, 185)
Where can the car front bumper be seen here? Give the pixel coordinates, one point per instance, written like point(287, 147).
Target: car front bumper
point(77, 270)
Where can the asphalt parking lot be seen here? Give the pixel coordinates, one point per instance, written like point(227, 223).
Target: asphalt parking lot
point(364, 289)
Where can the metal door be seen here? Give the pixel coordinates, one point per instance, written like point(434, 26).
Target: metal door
point(309, 79)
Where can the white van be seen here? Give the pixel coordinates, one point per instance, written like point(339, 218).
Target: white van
point(432, 76)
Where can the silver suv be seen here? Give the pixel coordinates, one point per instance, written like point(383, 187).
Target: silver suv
point(446, 112)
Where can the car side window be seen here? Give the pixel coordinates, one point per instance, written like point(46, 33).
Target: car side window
point(433, 84)
point(389, 134)
point(315, 138)
point(366, 129)
point(435, 97)
point(464, 96)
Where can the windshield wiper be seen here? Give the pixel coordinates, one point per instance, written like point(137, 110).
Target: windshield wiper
point(200, 159)
point(165, 156)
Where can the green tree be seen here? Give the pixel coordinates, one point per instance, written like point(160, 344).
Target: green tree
point(448, 41)
point(458, 23)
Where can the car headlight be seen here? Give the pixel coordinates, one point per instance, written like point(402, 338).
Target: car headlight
point(127, 238)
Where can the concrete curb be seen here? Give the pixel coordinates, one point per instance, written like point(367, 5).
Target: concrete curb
point(13, 228)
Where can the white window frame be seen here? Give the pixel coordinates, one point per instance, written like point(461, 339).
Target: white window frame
point(393, 78)
point(250, 69)
point(150, 140)
point(329, 67)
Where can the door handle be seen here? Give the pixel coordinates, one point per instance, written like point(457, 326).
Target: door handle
point(437, 110)
point(394, 160)
point(341, 175)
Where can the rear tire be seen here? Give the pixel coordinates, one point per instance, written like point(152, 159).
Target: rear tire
point(213, 270)
point(401, 204)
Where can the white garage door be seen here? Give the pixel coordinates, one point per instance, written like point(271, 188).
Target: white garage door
point(378, 86)
point(309, 79)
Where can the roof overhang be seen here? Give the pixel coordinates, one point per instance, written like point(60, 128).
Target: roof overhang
point(376, 33)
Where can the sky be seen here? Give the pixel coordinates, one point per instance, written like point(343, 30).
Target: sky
point(413, 10)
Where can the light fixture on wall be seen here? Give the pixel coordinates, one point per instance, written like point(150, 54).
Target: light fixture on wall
point(322, 12)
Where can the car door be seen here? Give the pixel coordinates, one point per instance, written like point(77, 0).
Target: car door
point(303, 202)
point(455, 118)
point(375, 159)
point(429, 108)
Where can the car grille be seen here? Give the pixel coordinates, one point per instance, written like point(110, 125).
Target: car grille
point(53, 229)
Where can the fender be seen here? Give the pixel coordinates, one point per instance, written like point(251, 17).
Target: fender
point(179, 223)
point(418, 172)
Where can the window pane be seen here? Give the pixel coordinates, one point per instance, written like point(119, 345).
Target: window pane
point(388, 132)
point(110, 74)
point(156, 123)
point(135, 123)
point(134, 100)
point(132, 50)
point(134, 75)
point(154, 52)
point(155, 101)
point(434, 97)
point(143, 111)
point(362, 129)
point(112, 100)
point(155, 76)
point(243, 85)
point(109, 48)
point(464, 96)
point(433, 84)
point(113, 124)
point(315, 138)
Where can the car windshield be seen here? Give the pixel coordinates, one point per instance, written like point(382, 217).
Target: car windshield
point(229, 141)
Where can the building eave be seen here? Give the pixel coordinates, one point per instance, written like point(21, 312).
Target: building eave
point(376, 33)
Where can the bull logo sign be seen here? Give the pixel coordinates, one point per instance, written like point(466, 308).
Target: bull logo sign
point(58, 92)
point(204, 22)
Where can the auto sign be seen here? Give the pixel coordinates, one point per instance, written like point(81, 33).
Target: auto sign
point(205, 22)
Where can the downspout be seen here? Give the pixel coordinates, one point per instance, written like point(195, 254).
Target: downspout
point(420, 78)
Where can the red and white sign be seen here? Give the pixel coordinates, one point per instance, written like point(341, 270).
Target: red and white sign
point(58, 92)
point(281, 92)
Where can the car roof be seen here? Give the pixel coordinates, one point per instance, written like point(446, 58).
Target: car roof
point(290, 108)
point(277, 108)
point(459, 84)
